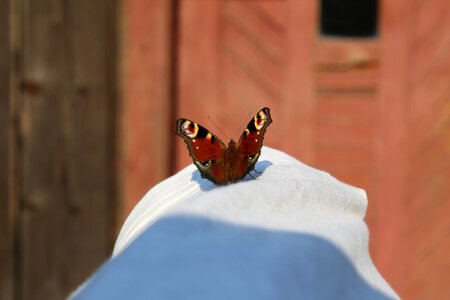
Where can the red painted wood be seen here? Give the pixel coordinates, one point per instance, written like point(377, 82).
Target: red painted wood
point(251, 55)
point(428, 123)
point(146, 103)
point(297, 110)
point(197, 81)
point(391, 210)
point(373, 112)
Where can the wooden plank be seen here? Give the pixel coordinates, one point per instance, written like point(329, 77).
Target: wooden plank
point(6, 212)
point(146, 117)
point(391, 256)
point(297, 112)
point(252, 47)
point(198, 82)
point(89, 128)
point(428, 190)
point(66, 188)
point(430, 52)
point(42, 216)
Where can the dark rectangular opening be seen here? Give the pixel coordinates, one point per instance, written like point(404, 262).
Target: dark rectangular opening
point(349, 18)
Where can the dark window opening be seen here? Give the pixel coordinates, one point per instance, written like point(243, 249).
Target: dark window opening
point(349, 18)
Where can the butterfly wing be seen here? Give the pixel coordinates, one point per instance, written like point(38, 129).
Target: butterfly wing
point(206, 149)
point(250, 143)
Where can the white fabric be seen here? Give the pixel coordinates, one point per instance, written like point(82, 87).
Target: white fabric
point(294, 231)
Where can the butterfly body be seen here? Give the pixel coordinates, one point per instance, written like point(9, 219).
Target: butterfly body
point(224, 164)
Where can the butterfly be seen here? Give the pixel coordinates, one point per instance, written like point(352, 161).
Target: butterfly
point(217, 162)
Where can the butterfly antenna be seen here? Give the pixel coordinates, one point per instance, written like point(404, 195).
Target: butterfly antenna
point(217, 127)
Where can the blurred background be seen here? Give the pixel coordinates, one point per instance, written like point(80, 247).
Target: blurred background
point(90, 91)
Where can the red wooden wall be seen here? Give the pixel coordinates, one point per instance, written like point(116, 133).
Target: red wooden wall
point(427, 192)
point(373, 112)
point(147, 91)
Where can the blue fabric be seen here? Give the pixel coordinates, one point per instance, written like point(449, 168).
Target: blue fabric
point(184, 257)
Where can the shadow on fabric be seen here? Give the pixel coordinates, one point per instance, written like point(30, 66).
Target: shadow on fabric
point(187, 257)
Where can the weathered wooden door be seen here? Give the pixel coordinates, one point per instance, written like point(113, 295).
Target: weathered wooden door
point(57, 170)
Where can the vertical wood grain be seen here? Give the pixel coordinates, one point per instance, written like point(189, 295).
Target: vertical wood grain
point(42, 235)
point(66, 188)
point(6, 212)
point(428, 177)
point(147, 97)
point(198, 79)
point(297, 113)
point(89, 118)
point(391, 208)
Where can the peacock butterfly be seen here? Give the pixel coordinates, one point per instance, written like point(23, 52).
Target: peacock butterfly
point(217, 162)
